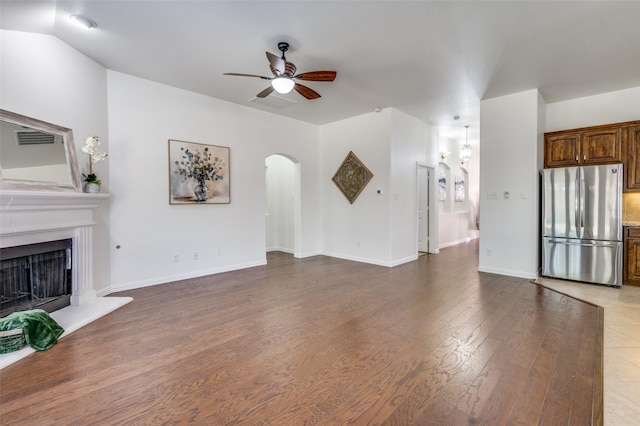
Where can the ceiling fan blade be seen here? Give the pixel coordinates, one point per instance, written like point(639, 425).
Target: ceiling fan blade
point(317, 76)
point(290, 68)
point(277, 63)
point(306, 92)
point(247, 75)
point(266, 92)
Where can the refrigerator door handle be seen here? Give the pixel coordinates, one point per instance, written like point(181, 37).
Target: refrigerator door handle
point(583, 206)
point(583, 244)
point(577, 204)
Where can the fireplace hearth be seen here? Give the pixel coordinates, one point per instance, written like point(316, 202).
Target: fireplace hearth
point(36, 276)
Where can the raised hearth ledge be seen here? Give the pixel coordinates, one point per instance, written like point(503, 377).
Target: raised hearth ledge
point(72, 318)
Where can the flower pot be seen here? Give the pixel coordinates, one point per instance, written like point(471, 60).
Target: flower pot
point(91, 188)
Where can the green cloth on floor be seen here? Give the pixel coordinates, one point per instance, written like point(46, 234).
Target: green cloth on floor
point(40, 330)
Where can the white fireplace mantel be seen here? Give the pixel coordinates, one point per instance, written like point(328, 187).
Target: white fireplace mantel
point(29, 217)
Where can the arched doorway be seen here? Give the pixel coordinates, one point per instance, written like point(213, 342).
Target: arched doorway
point(282, 209)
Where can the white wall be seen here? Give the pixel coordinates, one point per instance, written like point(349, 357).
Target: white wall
point(143, 115)
point(281, 199)
point(358, 231)
point(510, 135)
point(606, 108)
point(411, 142)
point(44, 78)
point(378, 228)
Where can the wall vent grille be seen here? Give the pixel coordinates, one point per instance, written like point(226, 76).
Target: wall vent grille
point(34, 137)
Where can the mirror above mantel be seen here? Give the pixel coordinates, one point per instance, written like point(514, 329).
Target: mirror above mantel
point(36, 155)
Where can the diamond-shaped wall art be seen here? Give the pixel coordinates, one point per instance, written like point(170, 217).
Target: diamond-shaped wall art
point(351, 177)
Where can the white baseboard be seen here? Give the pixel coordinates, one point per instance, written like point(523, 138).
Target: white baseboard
point(404, 260)
point(178, 277)
point(372, 261)
point(508, 272)
point(282, 249)
point(455, 243)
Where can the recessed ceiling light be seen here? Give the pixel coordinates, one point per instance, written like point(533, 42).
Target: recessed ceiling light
point(83, 21)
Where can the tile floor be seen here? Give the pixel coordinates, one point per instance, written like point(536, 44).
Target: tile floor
point(621, 345)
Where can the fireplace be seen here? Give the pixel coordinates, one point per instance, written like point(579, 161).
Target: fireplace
point(32, 217)
point(35, 276)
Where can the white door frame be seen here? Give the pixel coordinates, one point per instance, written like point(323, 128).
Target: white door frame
point(297, 209)
point(432, 211)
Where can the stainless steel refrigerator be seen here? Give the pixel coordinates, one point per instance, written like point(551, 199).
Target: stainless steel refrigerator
point(582, 224)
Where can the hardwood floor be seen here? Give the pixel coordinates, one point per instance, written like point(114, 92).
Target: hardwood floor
point(324, 341)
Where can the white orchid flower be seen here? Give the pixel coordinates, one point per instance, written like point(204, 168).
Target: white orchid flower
point(98, 156)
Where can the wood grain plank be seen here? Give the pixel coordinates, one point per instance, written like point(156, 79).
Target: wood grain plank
point(324, 341)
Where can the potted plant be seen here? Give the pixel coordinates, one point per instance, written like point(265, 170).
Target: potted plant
point(91, 181)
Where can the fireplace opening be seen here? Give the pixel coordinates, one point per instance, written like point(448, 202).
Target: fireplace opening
point(35, 276)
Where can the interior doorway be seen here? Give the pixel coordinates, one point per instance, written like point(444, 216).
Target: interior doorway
point(282, 204)
point(427, 240)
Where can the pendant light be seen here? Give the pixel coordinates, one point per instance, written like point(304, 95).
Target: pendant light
point(465, 151)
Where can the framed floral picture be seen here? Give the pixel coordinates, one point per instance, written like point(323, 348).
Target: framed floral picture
point(198, 173)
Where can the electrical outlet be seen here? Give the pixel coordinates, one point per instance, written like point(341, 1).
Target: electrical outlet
point(195, 255)
point(176, 257)
point(488, 251)
point(219, 252)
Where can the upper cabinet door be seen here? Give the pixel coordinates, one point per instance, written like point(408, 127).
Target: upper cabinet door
point(632, 162)
point(562, 150)
point(602, 146)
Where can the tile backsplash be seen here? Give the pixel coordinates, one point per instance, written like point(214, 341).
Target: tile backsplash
point(631, 207)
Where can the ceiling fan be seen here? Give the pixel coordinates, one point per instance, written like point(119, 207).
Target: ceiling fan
point(284, 76)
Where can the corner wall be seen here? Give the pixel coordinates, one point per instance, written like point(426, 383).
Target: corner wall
point(510, 135)
point(358, 231)
point(143, 115)
point(411, 143)
point(44, 78)
point(379, 227)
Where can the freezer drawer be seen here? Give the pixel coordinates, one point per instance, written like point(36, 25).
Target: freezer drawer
point(589, 261)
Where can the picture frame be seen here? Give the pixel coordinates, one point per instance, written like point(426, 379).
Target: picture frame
point(442, 187)
point(198, 173)
point(459, 189)
point(351, 177)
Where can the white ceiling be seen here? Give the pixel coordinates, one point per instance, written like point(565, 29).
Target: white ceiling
point(432, 60)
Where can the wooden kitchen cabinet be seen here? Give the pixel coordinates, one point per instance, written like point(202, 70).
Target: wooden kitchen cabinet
point(631, 135)
point(631, 267)
point(587, 146)
point(561, 149)
point(602, 146)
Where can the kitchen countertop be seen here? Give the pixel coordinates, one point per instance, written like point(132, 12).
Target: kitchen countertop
point(630, 223)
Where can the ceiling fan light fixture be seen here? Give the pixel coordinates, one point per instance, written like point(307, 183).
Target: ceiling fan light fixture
point(83, 21)
point(283, 84)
